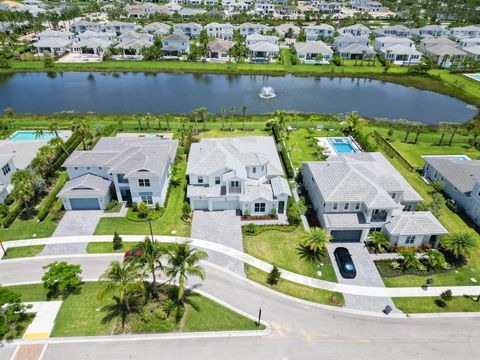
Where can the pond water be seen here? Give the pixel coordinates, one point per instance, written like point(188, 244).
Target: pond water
point(130, 92)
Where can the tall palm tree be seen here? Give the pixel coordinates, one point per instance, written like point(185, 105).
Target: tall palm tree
point(379, 239)
point(244, 114)
point(139, 120)
point(168, 123)
point(151, 259)
point(81, 128)
point(224, 111)
point(119, 279)
point(182, 262)
point(354, 123)
point(53, 127)
point(459, 243)
point(232, 112)
point(38, 134)
point(317, 239)
point(23, 189)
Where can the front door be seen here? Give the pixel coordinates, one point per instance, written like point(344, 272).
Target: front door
point(126, 195)
point(281, 207)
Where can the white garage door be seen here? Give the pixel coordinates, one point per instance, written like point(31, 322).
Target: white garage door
point(200, 205)
point(225, 205)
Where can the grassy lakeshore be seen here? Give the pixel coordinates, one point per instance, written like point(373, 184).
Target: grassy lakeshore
point(440, 81)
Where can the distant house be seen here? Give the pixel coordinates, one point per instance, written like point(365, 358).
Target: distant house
point(95, 34)
point(242, 173)
point(400, 51)
point(443, 51)
point(218, 50)
point(264, 7)
point(262, 48)
point(156, 28)
point(356, 51)
point(348, 39)
point(58, 34)
point(284, 29)
point(220, 31)
point(355, 30)
point(96, 46)
point(188, 29)
point(368, 6)
point(355, 194)
point(394, 30)
point(82, 26)
point(118, 27)
point(175, 45)
point(54, 45)
point(313, 52)
point(249, 29)
point(318, 32)
point(431, 30)
point(460, 177)
point(472, 31)
point(134, 169)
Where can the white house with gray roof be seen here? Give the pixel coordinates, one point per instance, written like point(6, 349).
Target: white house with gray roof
point(358, 193)
point(460, 177)
point(134, 169)
point(243, 173)
point(313, 52)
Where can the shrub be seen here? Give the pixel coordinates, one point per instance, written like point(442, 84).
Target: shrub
point(273, 276)
point(117, 241)
point(336, 60)
point(134, 206)
point(186, 211)
point(143, 210)
point(452, 206)
point(250, 229)
point(51, 198)
point(3, 210)
point(112, 204)
point(334, 300)
point(446, 295)
point(293, 213)
point(273, 212)
point(48, 62)
point(61, 278)
point(157, 206)
point(15, 210)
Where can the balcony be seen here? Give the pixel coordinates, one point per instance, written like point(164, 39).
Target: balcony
point(379, 216)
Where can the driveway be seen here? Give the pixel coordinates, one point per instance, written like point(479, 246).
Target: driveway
point(74, 223)
point(222, 227)
point(367, 275)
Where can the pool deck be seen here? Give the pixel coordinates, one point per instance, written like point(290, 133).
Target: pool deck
point(330, 149)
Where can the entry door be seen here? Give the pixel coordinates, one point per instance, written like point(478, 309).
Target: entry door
point(281, 207)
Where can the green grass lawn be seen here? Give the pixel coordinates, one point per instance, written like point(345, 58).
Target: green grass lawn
point(17, 330)
point(23, 251)
point(280, 248)
point(107, 247)
point(296, 290)
point(28, 229)
point(169, 222)
point(80, 314)
point(429, 305)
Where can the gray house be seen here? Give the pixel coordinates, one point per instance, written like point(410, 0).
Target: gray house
point(135, 169)
point(243, 173)
point(461, 179)
point(354, 194)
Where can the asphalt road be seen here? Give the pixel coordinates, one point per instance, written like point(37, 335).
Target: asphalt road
point(300, 331)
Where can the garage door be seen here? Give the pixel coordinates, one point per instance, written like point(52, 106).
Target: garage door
point(225, 205)
point(85, 204)
point(200, 205)
point(346, 235)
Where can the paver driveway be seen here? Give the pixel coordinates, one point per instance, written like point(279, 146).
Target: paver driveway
point(222, 227)
point(80, 222)
point(367, 275)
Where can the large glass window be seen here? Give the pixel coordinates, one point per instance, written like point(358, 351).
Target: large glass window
point(410, 239)
point(259, 207)
point(147, 198)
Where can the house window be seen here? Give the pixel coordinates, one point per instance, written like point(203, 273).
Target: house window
point(6, 169)
point(408, 207)
point(234, 184)
point(259, 207)
point(76, 168)
point(217, 180)
point(200, 179)
point(357, 206)
point(394, 195)
point(254, 170)
point(335, 206)
point(121, 179)
point(147, 198)
point(144, 182)
point(346, 206)
point(410, 239)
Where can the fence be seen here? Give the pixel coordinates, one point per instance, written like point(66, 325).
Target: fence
point(390, 150)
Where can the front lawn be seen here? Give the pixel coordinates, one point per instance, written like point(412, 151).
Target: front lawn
point(29, 229)
point(18, 330)
point(168, 222)
point(296, 290)
point(80, 314)
point(433, 305)
point(107, 247)
point(281, 248)
point(23, 251)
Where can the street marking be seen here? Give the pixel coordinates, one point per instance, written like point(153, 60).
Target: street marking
point(279, 329)
point(36, 336)
point(308, 337)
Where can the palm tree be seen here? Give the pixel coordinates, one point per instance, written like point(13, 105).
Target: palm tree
point(244, 113)
point(23, 189)
point(183, 261)
point(410, 260)
point(435, 259)
point(281, 120)
point(139, 120)
point(232, 112)
point(81, 128)
point(224, 110)
point(317, 239)
point(168, 123)
point(203, 112)
point(119, 279)
point(53, 127)
point(380, 240)
point(459, 243)
point(38, 134)
point(151, 259)
point(354, 123)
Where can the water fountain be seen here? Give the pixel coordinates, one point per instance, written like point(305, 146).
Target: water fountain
point(267, 92)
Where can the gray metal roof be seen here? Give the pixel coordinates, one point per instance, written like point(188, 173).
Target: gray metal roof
point(356, 49)
point(87, 185)
point(280, 186)
point(460, 173)
point(415, 223)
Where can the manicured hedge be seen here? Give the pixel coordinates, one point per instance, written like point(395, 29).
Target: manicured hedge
point(14, 211)
point(49, 201)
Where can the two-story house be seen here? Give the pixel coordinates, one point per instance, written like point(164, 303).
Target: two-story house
point(188, 29)
point(243, 173)
point(219, 31)
point(316, 32)
point(7, 168)
point(357, 193)
point(133, 169)
point(175, 44)
point(246, 29)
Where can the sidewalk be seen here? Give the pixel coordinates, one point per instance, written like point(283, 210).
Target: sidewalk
point(42, 324)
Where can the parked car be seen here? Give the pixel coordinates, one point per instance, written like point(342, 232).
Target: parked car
point(345, 263)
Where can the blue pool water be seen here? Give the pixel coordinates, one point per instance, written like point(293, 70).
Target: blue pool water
point(474, 76)
point(342, 145)
point(30, 135)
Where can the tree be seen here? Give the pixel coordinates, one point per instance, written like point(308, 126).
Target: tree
point(273, 276)
point(182, 262)
point(12, 310)
point(380, 240)
point(232, 113)
point(120, 279)
point(81, 128)
point(317, 239)
point(224, 111)
point(117, 241)
point(410, 260)
point(151, 259)
point(302, 37)
point(23, 189)
point(244, 114)
point(186, 211)
point(43, 162)
point(353, 123)
point(61, 278)
point(459, 243)
point(446, 295)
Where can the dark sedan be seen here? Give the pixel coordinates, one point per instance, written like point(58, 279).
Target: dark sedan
point(345, 263)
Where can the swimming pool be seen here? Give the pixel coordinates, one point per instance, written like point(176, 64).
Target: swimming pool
point(342, 145)
point(474, 76)
point(31, 135)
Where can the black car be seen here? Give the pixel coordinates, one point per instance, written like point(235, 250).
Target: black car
point(345, 263)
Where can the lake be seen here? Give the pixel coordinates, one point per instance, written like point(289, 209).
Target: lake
point(130, 92)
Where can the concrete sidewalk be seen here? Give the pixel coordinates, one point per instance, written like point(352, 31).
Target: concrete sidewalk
point(45, 314)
